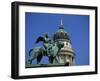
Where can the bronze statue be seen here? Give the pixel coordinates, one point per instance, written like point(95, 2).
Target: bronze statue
point(49, 48)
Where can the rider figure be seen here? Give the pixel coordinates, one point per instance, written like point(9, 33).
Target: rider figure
point(47, 44)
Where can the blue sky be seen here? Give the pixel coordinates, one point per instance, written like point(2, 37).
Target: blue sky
point(77, 26)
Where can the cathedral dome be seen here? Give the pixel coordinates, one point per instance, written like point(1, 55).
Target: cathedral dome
point(66, 54)
point(60, 34)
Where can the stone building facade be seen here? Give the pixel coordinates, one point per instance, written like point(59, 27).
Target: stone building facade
point(66, 54)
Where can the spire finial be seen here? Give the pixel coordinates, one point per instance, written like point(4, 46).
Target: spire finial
point(61, 22)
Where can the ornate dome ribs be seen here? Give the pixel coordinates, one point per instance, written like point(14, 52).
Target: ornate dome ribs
point(61, 34)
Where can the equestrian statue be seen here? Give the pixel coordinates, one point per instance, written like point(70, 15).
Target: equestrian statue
point(49, 48)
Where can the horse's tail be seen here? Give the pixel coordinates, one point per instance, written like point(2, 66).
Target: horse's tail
point(30, 52)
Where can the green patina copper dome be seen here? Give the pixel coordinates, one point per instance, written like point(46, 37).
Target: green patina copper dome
point(61, 34)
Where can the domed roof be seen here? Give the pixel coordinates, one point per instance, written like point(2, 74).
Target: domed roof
point(61, 33)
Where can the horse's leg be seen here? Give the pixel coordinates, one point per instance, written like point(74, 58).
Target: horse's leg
point(51, 59)
point(32, 57)
point(30, 60)
point(39, 58)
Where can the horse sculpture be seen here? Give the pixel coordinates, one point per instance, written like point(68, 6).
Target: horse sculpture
point(49, 48)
